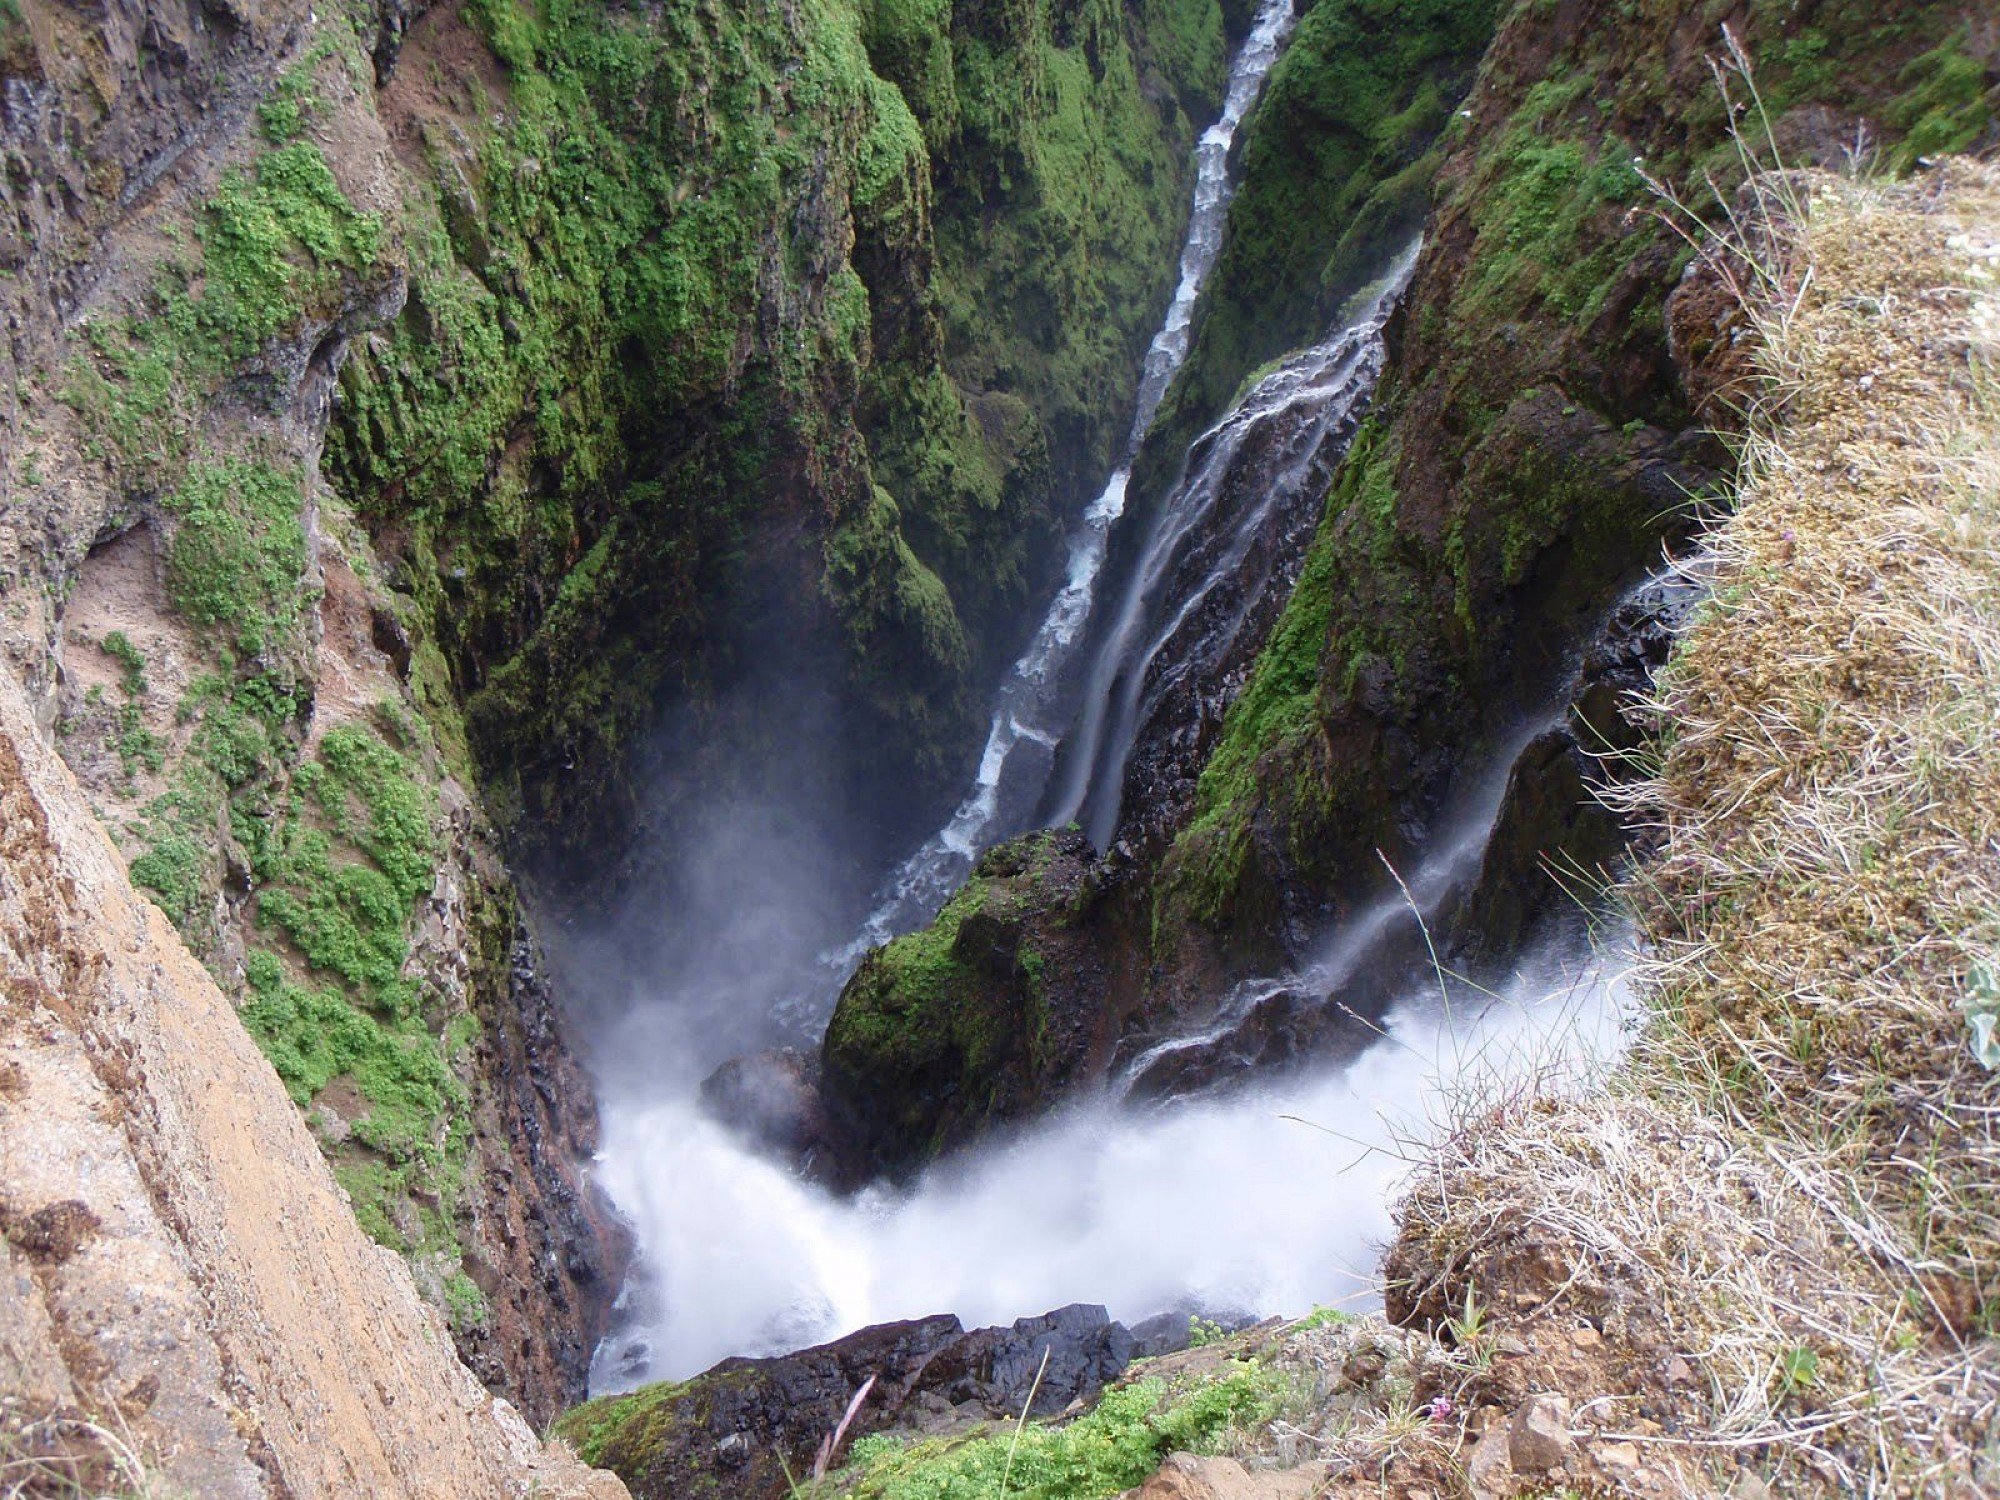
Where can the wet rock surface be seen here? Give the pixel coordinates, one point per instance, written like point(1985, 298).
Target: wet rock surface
point(731, 1432)
point(999, 1006)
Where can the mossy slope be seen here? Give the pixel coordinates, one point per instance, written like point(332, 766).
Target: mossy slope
point(738, 331)
point(1531, 444)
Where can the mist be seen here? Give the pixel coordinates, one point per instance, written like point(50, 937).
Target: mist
point(1273, 1200)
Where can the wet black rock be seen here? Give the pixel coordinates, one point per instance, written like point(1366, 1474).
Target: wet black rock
point(772, 1101)
point(734, 1430)
point(998, 1367)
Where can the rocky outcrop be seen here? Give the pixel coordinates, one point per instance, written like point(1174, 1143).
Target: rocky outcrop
point(1534, 443)
point(999, 1006)
point(179, 1267)
point(743, 1428)
point(1532, 446)
point(205, 203)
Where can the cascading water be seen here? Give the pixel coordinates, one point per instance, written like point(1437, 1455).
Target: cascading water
point(737, 1255)
point(1265, 1201)
point(1288, 433)
point(1027, 716)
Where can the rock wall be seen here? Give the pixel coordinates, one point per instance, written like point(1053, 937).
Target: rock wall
point(180, 1267)
point(408, 407)
point(1544, 426)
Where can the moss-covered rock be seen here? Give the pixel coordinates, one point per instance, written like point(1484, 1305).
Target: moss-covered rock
point(1531, 446)
point(976, 1019)
point(742, 330)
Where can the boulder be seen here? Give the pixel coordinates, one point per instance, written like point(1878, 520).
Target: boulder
point(732, 1432)
point(1538, 1438)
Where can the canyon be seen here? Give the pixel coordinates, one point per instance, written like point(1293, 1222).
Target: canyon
point(760, 682)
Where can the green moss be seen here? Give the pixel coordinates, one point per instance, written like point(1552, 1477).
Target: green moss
point(1114, 1447)
point(341, 875)
point(238, 554)
point(1544, 221)
point(595, 1426)
point(909, 44)
point(1275, 717)
point(1947, 104)
point(1337, 164)
point(273, 241)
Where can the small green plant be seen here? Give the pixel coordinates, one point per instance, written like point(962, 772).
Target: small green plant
point(138, 745)
point(464, 1303)
point(1202, 1332)
point(1980, 1005)
point(118, 646)
point(1468, 1331)
point(1798, 1369)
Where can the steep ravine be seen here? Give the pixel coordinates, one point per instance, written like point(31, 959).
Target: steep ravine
point(411, 409)
point(1543, 424)
point(510, 515)
point(1542, 428)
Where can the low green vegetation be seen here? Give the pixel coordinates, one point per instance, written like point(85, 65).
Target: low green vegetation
point(1503, 487)
point(238, 556)
point(277, 243)
point(1117, 1445)
point(1950, 97)
point(585, 400)
point(347, 916)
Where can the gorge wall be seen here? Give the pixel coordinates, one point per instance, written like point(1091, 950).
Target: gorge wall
point(411, 408)
point(1542, 427)
point(187, 1304)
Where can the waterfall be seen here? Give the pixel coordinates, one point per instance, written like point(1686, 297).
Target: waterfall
point(1276, 449)
point(1157, 1193)
point(1027, 718)
point(1272, 1198)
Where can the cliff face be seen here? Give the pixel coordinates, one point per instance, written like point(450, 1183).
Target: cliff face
point(186, 1301)
point(408, 407)
point(1534, 441)
point(748, 347)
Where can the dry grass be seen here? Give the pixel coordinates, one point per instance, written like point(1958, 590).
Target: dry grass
point(1791, 1195)
point(68, 1456)
point(1828, 891)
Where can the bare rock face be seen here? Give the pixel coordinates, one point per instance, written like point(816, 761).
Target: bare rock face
point(1538, 1437)
point(178, 1262)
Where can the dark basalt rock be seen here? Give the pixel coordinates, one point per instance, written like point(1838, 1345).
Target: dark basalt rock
point(734, 1430)
point(983, 1017)
point(997, 1367)
point(772, 1101)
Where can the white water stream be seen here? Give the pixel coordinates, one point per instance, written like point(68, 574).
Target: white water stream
point(1026, 716)
point(1270, 1201)
point(1273, 1199)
